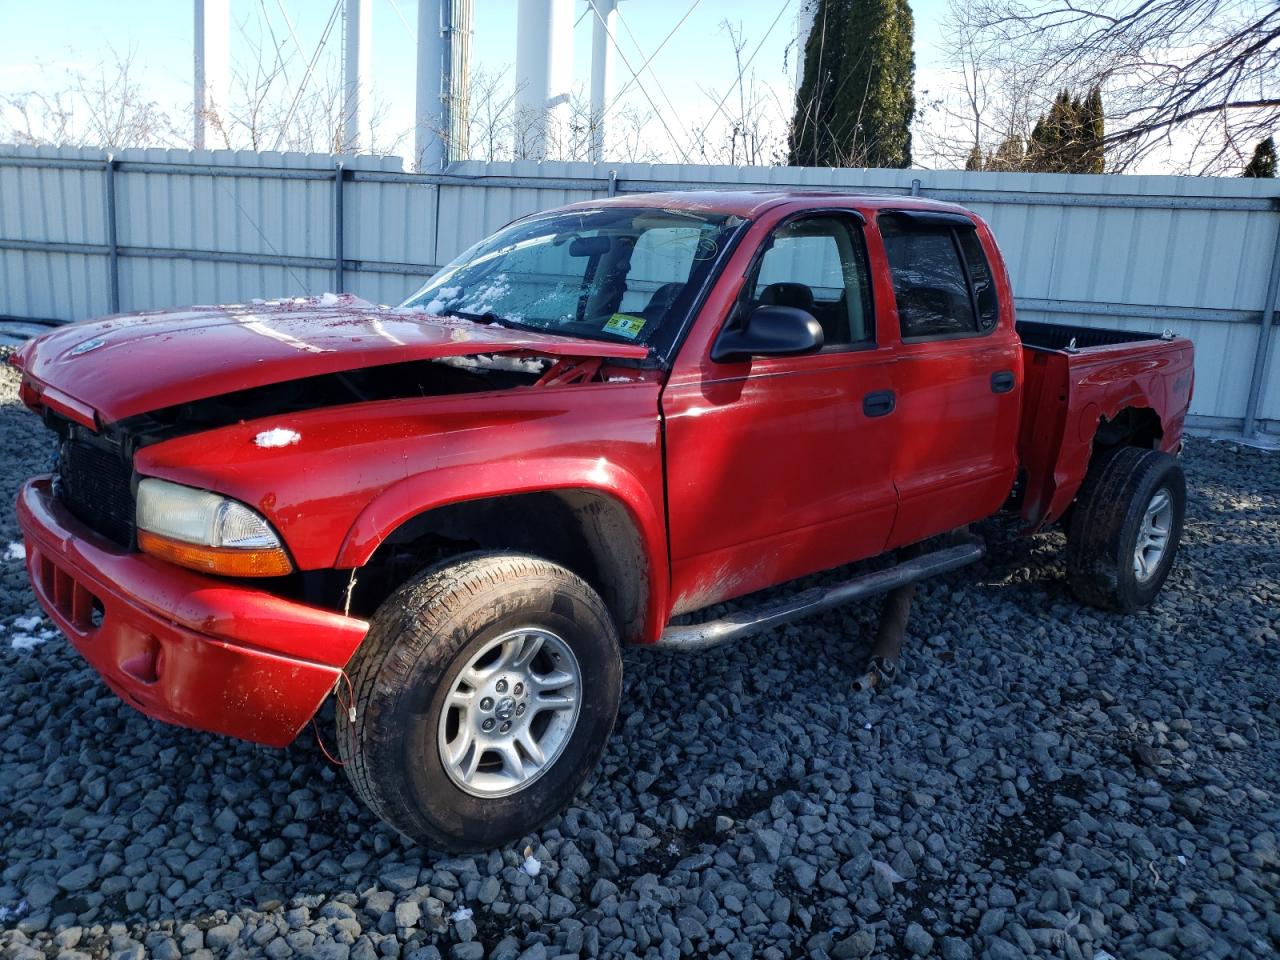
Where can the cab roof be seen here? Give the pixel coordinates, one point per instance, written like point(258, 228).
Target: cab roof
point(751, 203)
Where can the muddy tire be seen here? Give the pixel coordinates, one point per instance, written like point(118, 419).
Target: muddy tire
point(1125, 528)
point(485, 693)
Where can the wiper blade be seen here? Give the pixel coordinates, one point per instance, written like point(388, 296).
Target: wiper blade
point(488, 316)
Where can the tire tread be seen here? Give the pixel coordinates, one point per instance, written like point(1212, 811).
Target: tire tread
point(1102, 514)
point(403, 631)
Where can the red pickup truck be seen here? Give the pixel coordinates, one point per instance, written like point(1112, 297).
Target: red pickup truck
point(450, 515)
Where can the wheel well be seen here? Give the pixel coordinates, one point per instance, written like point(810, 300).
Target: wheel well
point(1130, 427)
point(586, 531)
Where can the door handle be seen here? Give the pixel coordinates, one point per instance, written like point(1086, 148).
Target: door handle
point(879, 403)
point(1002, 381)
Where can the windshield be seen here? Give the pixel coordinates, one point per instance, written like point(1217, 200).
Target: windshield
point(629, 274)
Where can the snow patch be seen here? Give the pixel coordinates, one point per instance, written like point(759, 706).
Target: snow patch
point(16, 551)
point(330, 299)
point(531, 866)
point(278, 437)
point(462, 913)
point(28, 623)
point(28, 641)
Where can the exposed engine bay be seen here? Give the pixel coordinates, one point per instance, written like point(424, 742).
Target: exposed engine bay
point(417, 378)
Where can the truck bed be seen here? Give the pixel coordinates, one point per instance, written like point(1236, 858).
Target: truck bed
point(1134, 384)
point(1058, 336)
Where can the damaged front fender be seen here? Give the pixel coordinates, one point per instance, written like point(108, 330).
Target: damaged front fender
point(350, 473)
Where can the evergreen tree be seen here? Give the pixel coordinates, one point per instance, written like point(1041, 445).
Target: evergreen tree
point(1263, 161)
point(856, 100)
point(1076, 143)
point(1094, 132)
point(1068, 139)
point(1011, 154)
point(1035, 145)
point(1057, 135)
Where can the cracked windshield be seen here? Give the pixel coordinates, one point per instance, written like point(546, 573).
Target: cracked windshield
point(623, 273)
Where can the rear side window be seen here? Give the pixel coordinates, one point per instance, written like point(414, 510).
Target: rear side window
point(984, 287)
point(941, 279)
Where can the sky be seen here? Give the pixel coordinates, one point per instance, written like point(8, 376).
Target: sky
point(43, 41)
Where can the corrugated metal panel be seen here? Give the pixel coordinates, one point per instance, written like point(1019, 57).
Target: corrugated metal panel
point(1190, 254)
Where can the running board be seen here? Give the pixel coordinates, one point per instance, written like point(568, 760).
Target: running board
point(743, 623)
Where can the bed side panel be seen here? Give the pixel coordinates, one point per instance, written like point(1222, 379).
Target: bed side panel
point(1044, 415)
point(1086, 387)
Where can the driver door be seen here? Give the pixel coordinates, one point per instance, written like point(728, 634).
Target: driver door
point(783, 466)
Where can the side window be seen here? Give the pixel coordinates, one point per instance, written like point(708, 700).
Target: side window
point(818, 264)
point(984, 286)
point(929, 282)
point(941, 279)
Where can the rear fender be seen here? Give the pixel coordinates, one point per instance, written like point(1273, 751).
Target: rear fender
point(1071, 397)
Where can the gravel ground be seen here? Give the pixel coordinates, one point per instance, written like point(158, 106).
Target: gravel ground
point(1044, 780)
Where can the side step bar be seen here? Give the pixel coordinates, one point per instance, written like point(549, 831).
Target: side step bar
point(744, 623)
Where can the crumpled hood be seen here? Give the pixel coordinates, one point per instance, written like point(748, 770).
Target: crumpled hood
point(129, 364)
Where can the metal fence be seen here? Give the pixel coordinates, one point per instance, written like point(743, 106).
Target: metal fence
point(83, 233)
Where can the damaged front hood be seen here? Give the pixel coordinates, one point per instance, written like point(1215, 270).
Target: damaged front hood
point(129, 364)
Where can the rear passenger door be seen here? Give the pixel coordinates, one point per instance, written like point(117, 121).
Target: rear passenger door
point(956, 379)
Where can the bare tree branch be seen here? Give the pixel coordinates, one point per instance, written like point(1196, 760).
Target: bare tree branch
point(1188, 79)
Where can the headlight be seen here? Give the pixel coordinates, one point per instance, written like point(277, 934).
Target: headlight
point(207, 532)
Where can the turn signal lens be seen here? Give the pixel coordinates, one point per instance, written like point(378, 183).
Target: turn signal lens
point(205, 531)
point(227, 561)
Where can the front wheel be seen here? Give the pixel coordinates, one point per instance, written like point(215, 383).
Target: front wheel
point(1125, 528)
point(484, 695)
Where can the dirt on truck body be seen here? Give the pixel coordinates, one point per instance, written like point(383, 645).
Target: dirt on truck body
point(449, 515)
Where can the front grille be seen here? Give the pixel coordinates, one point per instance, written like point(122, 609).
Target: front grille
point(95, 483)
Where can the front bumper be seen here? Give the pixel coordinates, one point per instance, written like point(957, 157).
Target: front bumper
point(182, 647)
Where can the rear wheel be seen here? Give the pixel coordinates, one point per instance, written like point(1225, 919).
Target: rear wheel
point(484, 694)
point(1125, 528)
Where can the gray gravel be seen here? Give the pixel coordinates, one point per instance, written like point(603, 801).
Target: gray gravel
point(1044, 780)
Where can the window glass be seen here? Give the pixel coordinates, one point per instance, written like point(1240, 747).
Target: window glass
point(984, 287)
point(613, 273)
point(662, 258)
point(818, 265)
point(928, 280)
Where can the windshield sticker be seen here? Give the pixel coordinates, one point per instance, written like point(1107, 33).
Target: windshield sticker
point(625, 325)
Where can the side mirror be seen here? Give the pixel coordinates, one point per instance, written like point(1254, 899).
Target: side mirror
point(770, 331)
